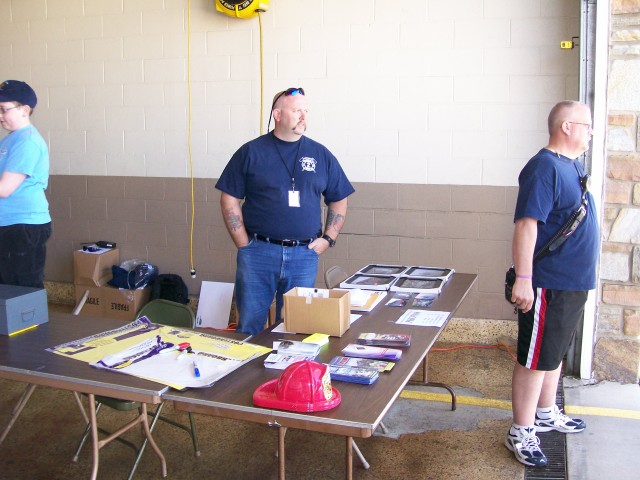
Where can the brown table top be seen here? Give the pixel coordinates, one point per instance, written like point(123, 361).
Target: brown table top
point(362, 407)
point(23, 358)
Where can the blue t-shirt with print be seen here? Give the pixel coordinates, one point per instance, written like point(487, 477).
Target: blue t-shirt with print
point(263, 172)
point(25, 151)
point(550, 192)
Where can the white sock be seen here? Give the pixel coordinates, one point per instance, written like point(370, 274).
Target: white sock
point(520, 430)
point(546, 413)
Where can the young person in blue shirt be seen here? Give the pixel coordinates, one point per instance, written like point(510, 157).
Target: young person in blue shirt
point(550, 294)
point(25, 224)
point(271, 204)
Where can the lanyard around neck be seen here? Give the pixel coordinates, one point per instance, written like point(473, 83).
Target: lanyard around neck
point(293, 169)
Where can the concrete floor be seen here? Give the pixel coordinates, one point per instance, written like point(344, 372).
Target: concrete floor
point(424, 438)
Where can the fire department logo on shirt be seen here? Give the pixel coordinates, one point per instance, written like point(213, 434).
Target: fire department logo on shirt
point(308, 164)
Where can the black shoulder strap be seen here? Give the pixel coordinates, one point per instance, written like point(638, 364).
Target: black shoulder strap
point(570, 225)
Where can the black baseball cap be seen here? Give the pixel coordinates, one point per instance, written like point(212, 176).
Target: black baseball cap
point(17, 91)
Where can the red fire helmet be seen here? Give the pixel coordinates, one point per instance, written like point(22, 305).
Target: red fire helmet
point(302, 387)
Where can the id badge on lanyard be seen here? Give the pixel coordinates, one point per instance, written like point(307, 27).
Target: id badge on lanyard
point(294, 198)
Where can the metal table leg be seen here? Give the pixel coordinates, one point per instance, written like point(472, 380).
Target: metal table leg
point(17, 410)
point(281, 464)
point(426, 383)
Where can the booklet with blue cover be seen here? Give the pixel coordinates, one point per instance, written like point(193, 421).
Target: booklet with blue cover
point(362, 375)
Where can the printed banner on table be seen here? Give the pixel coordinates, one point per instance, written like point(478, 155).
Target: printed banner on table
point(147, 350)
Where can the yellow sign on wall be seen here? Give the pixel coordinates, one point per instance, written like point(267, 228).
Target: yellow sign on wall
point(242, 8)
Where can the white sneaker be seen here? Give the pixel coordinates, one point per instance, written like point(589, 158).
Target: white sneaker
point(526, 447)
point(559, 422)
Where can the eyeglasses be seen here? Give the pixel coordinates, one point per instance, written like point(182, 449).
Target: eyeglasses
point(288, 92)
point(578, 123)
point(5, 110)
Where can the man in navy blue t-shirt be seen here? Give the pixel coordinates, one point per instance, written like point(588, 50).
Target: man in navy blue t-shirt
point(271, 204)
point(551, 292)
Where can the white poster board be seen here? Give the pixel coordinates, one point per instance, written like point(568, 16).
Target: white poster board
point(214, 305)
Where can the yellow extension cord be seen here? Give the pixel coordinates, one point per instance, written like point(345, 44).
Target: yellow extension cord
point(192, 268)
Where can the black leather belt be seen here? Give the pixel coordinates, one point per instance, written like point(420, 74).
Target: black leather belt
point(285, 242)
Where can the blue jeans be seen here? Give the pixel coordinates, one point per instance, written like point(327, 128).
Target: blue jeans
point(264, 270)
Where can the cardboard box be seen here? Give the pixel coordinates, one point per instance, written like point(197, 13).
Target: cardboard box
point(22, 307)
point(124, 304)
point(94, 305)
point(305, 314)
point(112, 302)
point(94, 268)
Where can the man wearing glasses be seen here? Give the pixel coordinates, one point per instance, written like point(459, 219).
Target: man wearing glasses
point(271, 204)
point(551, 292)
point(25, 224)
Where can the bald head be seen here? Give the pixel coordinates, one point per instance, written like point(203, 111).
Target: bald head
point(561, 112)
point(570, 128)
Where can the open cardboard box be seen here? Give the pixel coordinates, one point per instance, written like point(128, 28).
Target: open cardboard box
point(305, 314)
point(112, 302)
point(94, 268)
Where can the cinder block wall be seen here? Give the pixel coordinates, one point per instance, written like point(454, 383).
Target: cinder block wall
point(462, 227)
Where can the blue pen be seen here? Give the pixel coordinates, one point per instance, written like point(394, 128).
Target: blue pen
point(196, 370)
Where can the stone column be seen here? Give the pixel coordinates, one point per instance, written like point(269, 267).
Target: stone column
point(617, 351)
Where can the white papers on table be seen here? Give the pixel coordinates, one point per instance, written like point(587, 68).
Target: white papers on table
point(365, 300)
point(359, 297)
point(423, 318)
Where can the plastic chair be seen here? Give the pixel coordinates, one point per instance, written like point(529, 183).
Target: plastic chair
point(163, 312)
point(334, 275)
point(169, 313)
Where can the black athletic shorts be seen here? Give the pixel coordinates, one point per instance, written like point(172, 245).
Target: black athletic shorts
point(545, 331)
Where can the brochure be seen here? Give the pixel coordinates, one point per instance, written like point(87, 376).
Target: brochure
point(380, 365)
point(289, 352)
point(362, 375)
point(385, 339)
point(368, 351)
point(278, 361)
point(293, 347)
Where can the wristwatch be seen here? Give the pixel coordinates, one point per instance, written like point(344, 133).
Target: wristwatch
point(331, 241)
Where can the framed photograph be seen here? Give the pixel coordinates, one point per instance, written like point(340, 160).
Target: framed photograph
point(376, 269)
point(368, 282)
point(431, 272)
point(418, 285)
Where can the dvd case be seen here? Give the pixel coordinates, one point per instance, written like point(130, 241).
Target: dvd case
point(385, 339)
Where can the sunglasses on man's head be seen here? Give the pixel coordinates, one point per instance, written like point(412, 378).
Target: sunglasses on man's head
point(286, 93)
